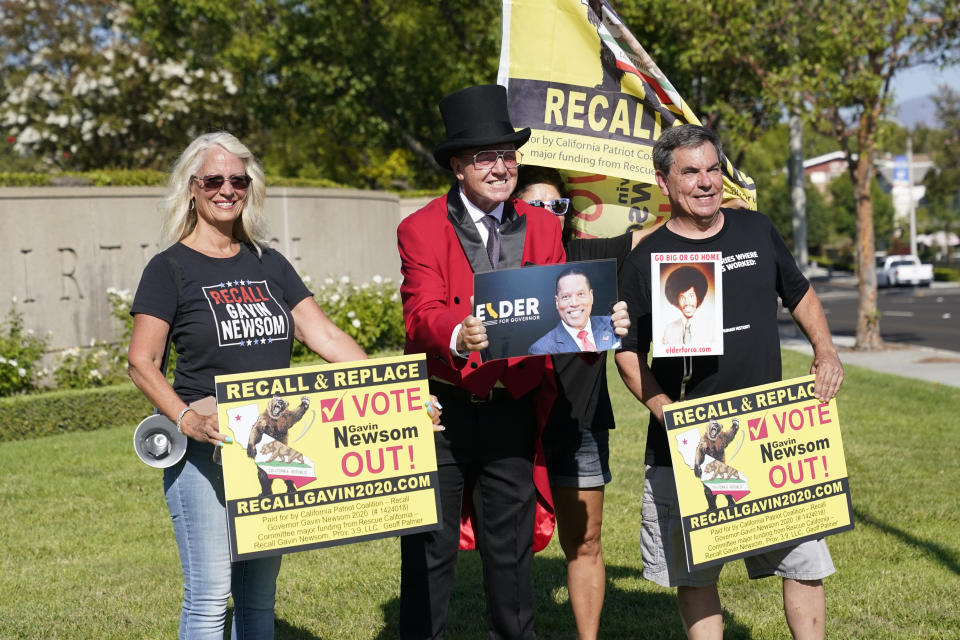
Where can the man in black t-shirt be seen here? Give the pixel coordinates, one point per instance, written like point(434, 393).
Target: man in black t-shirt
point(758, 272)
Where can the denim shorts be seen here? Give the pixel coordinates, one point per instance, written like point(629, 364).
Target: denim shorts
point(665, 560)
point(577, 459)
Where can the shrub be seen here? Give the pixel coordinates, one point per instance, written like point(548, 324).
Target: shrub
point(306, 181)
point(120, 302)
point(23, 179)
point(20, 353)
point(369, 312)
point(100, 365)
point(122, 177)
point(54, 412)
point(946, 274)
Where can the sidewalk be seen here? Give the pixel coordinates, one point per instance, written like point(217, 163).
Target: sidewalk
point(923, 363)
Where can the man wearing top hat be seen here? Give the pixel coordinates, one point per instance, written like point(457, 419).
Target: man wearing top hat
point(485, 454)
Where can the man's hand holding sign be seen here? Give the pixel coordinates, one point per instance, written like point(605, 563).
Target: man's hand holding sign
point(549, 309)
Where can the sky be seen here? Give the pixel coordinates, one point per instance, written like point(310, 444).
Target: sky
point(921, 82)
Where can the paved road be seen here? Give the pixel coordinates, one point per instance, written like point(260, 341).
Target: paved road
point(928, 317)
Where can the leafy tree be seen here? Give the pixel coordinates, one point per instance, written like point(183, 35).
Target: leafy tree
point(347, 90)
point(831, 62)
point(943, 185)
point(78, 92)
point(774, 201)
point(697, 45)
point(847, 60)
point(842, 210)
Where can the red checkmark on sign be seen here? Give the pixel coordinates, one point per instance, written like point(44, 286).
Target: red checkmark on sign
point(331, 409)
point(758, 428)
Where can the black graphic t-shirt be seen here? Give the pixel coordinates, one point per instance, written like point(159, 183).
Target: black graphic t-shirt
point(233, 314)
point(758, 272)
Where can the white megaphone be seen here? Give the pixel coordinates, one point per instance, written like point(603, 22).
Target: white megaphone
point(158, 443)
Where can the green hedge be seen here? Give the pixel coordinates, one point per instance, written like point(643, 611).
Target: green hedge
point(21, 179)
point(946, 274)
point(44, 414)
point(129, 178)
point(152, 178)
point(121, 178)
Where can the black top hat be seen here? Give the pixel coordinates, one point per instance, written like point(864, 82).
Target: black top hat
point(476, 117)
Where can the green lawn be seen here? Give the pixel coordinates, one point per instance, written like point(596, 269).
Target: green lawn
point(90, 551)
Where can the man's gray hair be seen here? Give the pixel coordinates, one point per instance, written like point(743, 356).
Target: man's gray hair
point(684, 136)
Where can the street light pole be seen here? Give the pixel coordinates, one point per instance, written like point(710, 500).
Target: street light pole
point(913, 209)
point(797, 179)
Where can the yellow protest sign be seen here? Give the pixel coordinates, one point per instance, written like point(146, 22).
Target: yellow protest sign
point(757, 469)
point(327, 454)
point(596, 103)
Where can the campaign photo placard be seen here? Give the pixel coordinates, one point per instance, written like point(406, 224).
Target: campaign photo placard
point(686, 304)
point(757, 469)
point(327, 454)
point(556, 308)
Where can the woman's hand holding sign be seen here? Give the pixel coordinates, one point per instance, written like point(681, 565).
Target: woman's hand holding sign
point(202, 428)
point(434, 410)
point(620, 318)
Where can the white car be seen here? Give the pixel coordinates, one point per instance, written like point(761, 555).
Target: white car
point(894, 271)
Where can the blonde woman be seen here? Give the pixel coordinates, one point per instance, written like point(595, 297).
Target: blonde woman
point(231, 305)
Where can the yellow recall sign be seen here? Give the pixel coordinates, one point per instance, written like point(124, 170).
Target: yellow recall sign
point(327, 454)
point(757, 469)
point(607, 206)
point(596, 103)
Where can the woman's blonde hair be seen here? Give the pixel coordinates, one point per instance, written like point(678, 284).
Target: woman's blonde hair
point(180, 215)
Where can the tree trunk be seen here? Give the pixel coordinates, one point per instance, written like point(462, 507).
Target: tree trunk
point(868, 317)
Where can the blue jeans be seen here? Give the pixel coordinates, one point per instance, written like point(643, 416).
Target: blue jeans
point(194, 492)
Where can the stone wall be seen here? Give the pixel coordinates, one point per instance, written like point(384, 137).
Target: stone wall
point(63, 247)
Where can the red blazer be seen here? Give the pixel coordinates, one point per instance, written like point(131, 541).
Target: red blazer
point(437, 245)
point(440, 249)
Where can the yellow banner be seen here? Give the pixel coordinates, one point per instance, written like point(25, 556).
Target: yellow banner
point(757, 469)
point(596, 103)
point(327, 454)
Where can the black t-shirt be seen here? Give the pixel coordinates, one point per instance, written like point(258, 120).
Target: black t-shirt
point(584, 401)
point(231, 315)
point(757, 271)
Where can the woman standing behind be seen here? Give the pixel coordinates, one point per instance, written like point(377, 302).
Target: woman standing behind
point(576, 437)
point(215, 260)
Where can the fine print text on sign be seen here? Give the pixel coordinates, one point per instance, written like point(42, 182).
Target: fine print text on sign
point(757, 469)
point(327, 454)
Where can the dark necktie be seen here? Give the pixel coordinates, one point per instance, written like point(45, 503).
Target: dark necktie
point(493, 239)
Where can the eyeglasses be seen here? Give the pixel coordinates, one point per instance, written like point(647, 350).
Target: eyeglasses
point(213, 183)
point(484, 160)
point(557, 207)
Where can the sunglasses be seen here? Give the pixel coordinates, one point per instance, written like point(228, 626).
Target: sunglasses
point(557, 207)
point(213, 183)
point(484, 160)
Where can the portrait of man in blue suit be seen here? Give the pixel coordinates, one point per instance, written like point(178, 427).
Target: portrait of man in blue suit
point(577, 330)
